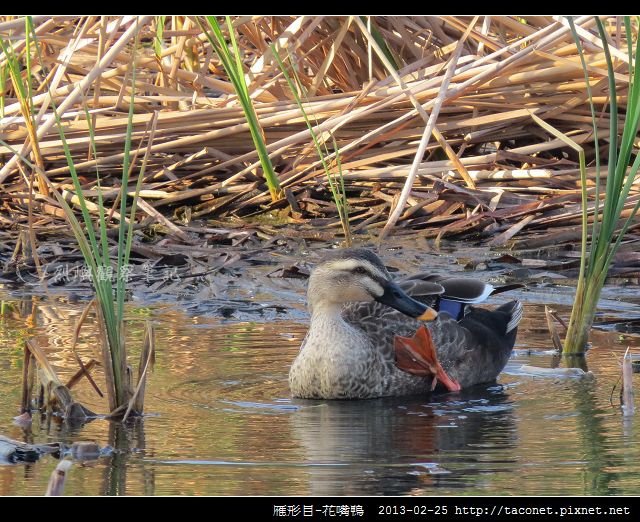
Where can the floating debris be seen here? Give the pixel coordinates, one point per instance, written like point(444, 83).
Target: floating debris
point(13, 451)
point(569, 373)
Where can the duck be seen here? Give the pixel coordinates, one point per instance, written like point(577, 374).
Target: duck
point(372, 336)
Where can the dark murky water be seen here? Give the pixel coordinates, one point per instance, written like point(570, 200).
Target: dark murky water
point(221, 422)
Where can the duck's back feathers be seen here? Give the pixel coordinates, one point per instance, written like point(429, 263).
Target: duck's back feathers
point(473, 344)
point(476, 349)
point(447, 294)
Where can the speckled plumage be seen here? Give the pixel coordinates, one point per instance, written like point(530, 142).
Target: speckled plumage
point(348, 352)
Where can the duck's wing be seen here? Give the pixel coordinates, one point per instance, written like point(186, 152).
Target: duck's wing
point(422, 289)
point(462, 289)
point(381, 324)
point(472, 350)
point(402, 341)
point(462, 353)
point(446, 294)
point(451, 294)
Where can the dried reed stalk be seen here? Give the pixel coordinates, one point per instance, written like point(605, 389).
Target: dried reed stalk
point(485, 75)
point(627, 396)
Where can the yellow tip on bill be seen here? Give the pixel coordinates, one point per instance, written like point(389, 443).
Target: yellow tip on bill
point(428, 315)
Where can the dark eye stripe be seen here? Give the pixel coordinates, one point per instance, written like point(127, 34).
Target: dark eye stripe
point(361, 270)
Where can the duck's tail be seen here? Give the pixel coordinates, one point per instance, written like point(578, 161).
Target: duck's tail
point(514, 309)
point(506, 288)
point(501, 322)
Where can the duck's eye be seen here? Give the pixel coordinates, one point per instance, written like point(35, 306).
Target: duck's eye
point(359, 270)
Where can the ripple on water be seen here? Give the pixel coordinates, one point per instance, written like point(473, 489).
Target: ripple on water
point(220, 421)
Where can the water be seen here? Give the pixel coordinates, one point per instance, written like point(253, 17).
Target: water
point(220, 420)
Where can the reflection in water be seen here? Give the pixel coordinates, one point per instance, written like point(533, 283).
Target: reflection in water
point(400, 445)
point(115, 474)
point(220, 421)
point(127, 440)
point(592, 432)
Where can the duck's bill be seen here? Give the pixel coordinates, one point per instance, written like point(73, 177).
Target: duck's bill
point(397, 298)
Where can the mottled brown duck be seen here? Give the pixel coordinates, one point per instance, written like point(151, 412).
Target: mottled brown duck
point(370, 336)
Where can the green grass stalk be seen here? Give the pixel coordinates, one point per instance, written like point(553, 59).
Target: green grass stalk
point(3, 87)
point(95, 248)
point(22, 86)
point(606, 238)
point(159, 37)
point(232, 64)
point(336, 180)
point(382, 43)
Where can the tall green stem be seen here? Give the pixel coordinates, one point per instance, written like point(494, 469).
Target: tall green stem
point(606, 234)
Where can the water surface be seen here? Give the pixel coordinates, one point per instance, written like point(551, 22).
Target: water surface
point(220, 420)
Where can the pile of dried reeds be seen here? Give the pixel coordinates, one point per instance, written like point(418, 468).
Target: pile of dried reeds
point(465, 87)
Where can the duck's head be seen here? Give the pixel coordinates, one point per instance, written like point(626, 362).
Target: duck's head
point(358, 275)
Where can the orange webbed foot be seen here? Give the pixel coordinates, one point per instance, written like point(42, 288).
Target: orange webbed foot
point(417, 355)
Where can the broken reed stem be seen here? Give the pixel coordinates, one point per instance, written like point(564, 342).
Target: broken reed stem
point(555, 337)
point(55, 393)
point(58, 478)
point(626, 395)
point(27, 380)
point(84, 369)
point(147, 359)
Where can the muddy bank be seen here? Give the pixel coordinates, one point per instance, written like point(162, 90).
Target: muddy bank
point(253, 280)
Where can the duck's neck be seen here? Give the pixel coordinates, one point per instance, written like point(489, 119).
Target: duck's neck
point(328, 325)
point(332, 357)
point(327, 314)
